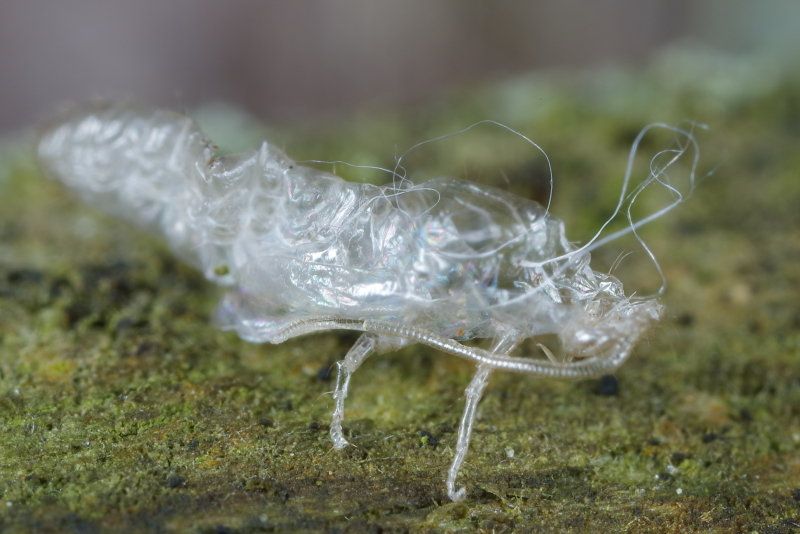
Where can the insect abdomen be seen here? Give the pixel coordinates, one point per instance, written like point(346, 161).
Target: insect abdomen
point(133, 163)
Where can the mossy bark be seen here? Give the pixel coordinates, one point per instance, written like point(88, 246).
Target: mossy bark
point(122, 409)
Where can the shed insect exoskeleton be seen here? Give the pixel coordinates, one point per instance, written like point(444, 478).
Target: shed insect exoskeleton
point(304, 251)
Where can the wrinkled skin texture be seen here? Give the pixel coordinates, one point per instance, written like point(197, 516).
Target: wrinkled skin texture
point(295, 243)
point(304, 251)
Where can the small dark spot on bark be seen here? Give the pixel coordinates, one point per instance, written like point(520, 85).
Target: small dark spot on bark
point(58, 287)
point(608, 386)
point(92, 275)
point(175, 481)
point(356, 453)
point(144, 348)
point(325, 373)
point(677, 458)
point(315, 426)
point(34, 478)
point(76, 312)
point(124, 324)
point(426, 438)
point(25, 276)
point(266, 422)
point(710, 436)
point(685, 319)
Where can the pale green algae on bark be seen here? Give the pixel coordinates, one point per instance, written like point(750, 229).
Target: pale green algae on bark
point(122, 409)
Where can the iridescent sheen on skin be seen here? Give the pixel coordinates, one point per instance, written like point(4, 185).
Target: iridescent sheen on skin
point(302, 250)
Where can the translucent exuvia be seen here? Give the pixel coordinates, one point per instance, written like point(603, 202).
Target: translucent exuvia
point(304, 251)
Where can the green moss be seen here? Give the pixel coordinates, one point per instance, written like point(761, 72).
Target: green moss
point(121, 409)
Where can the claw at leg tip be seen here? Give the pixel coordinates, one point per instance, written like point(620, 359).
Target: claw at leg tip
point(459, 495)
point(339, 442)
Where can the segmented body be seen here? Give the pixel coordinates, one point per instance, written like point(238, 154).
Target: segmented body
point(303, 250)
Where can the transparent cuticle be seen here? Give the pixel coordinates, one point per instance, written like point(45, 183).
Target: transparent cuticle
point(437, 263)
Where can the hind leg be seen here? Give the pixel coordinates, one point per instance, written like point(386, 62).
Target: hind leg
point(363, 347)
point(473, 394)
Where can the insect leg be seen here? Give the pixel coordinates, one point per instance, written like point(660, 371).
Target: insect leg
point(473, 393)
point(362, 348)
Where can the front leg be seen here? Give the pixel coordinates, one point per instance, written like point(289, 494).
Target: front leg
point(473, 393)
